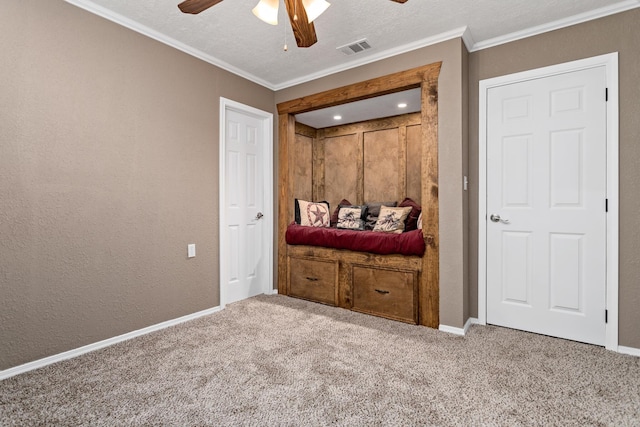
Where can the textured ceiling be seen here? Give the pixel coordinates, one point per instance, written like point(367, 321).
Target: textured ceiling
point(228, 35)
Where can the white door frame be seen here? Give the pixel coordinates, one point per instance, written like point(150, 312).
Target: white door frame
point(268, 211)
point(610, 61)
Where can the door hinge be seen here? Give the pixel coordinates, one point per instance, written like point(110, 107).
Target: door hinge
point(606, 94)
point(606, 316)
point(606, 205)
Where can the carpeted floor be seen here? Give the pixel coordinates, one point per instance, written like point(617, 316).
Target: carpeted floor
point(274, 360)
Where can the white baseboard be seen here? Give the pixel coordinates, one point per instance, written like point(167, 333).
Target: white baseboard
point(459, 331)
point(473, 321)
point(273, 292)
point(629, 350)
point(30, 366)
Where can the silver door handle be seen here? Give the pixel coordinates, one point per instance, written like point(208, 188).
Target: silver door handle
point(259, 215)
point(496, 218)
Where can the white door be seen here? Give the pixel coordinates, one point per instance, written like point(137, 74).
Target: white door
point(546, 201)
point(245, 244)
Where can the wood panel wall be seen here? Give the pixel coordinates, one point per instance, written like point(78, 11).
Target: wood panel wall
point(372, 161)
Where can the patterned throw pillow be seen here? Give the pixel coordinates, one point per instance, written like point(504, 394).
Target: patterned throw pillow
point(373, 208)
point(373, 211)
point(352, 217)
point(391, 220)
point(334, 216)
point(312, 214)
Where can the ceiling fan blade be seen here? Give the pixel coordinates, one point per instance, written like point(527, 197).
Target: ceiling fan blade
point(400, 1)
point(196, 6)
point(304, 32)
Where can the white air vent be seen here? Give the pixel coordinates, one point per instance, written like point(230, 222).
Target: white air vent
point(355, 47)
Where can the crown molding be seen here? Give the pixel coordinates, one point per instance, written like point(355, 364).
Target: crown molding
point(464, 33)
point(91, 7)
point(468, 40)
point(442, 37)
point(556, 25)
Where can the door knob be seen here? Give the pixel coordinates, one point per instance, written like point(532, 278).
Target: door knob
point(259, 215)
point(496, 218)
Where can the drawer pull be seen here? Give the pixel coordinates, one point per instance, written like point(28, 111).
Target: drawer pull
point(381, 291)
point(312, 279)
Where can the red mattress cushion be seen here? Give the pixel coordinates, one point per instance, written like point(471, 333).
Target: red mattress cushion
point(407, 243)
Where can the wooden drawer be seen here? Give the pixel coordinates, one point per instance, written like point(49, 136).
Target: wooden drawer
point(386, 292)
point(313, 279)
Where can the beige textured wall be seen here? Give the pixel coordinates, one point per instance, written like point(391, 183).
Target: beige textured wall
point(616, 33)
point(108, 169)
point(465, 172)
point(451, 133)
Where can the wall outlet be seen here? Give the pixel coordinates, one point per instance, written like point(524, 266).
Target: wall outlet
point(191, 250)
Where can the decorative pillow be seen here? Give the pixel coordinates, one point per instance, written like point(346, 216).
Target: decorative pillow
point(373, 211)
point(334, 216)
point(416, 210)
point(312, 214)
point(391, 220)
point(352, 217)
point(373, 208)
point(420, 221)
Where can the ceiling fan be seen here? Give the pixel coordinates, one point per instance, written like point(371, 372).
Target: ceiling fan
point(301, 14)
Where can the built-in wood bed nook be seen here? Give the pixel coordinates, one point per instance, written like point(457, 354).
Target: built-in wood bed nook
point(382, 160)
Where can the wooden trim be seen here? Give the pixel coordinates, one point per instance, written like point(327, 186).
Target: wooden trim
point(345, 285)
point(430, 290)
point(288, 281)
point(391, 83)
point(287, 137)
point(291, 175)
point(402, 163)
point(401, 262)
point(373, 125)
point(304, 130)
point(318, 168)
point(360, 170)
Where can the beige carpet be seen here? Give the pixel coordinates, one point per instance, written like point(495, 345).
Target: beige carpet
point(273, 360)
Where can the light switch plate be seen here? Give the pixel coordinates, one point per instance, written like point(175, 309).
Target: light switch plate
point(191, 250)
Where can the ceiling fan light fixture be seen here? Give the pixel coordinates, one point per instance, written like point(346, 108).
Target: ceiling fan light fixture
point(267, 11)
point(314, 8)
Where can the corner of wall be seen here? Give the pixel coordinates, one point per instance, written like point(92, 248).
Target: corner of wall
point(466, 313)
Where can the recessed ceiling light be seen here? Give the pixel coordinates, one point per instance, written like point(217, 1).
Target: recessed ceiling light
point(337, 117)
point(402, 105)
